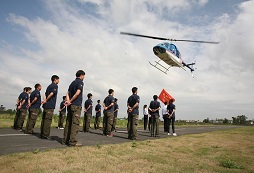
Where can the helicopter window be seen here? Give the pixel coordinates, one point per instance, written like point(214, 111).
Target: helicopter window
point(167, 45)
point(177, 53)
point(173, 49)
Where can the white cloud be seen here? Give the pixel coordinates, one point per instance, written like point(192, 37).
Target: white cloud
point(72, 39)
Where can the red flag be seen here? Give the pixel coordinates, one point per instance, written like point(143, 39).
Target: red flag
point(164, 96)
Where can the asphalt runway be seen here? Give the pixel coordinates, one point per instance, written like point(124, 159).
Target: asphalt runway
point(13, 141)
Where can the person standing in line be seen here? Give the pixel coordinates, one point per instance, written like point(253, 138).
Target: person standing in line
point(62, 114)
point(145, 113)
point(88, 112)
point(171, 115)
point(23, 108)
point(98, 115)
point(133, 110)
point(149, 121)
point(154, 109)
point(116, 108)
point(108, 105)
point(34, 108)
point(165, 116)
point(49, 104)
point(74, 107)
point(19, 100)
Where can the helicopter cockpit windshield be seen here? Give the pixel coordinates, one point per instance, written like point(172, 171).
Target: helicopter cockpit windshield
point(167, 45)
point(174, 50)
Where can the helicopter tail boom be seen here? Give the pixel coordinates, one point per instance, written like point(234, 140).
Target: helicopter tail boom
point(190, 66)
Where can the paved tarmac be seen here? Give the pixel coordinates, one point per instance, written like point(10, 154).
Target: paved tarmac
point(13, 141)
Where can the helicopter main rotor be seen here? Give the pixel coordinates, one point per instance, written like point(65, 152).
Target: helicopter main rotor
point(168, 39)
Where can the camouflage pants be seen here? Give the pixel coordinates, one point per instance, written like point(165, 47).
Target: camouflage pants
point(15, 126)
point(108, 118)
point(32, 117)
point(61, 119)
point(114, 124)
point(97, 122)
point(86, 123)
point(103, 122)
point(72, 125)
point(155, 125)
point(21, 118)
point(132, 126)
point(149, 123)
point(46, 122)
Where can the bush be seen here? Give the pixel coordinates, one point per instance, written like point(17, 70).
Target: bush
point(230, 164)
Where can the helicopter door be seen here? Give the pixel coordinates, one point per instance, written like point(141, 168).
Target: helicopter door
point(173, 49)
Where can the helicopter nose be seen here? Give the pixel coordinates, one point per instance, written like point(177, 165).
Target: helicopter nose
point(158, 49)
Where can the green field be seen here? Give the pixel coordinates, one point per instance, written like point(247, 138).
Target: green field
point(6, 121)
point(223, 151)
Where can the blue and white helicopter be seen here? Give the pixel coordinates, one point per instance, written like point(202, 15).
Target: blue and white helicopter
point(169, 53)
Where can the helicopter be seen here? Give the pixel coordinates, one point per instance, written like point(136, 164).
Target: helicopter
point(169, 53)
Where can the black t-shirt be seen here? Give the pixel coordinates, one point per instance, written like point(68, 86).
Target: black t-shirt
point(87, 103)
point(25, 97)
point(154, 105)
point(107, 101)
point(37, 104)
point(132, 100)
point(115, 108)
point(51, 103)
point(170, 108)
point(97, 108)
point(62, 106)
point(21, 96)
point(74, 86)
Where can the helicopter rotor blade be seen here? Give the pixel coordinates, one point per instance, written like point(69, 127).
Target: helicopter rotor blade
point(145, 36)
point(195, 41)
point(163, 38)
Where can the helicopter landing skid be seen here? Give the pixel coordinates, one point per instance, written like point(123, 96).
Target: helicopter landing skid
point(164, 70)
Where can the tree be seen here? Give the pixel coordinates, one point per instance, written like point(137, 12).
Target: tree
point(239, 120)
point(242, 119)
point(2, 108)
point(225, 121)
point(206, 120)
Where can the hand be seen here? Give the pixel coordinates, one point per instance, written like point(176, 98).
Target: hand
point(130, 110)
point(18, 107)
point(43, 102)
point(85, 110)
point(67, 103)
point(28, 106)
point(105, 108)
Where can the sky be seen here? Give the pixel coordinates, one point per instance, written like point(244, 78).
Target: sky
point(41, 38)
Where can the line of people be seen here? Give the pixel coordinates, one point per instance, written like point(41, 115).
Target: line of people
point(151, 116)
point(73, 102)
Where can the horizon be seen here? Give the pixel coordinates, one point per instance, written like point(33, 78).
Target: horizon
point(42, 38)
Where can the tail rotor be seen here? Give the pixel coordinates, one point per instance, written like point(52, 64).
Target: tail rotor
point(191, 67)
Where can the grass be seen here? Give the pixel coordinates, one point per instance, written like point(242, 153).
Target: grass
point(221, 151)
point(230, 164)
point(6, 121)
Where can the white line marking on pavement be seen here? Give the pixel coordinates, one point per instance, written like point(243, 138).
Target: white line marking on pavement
point(181, 129)
point(121, 131)
point(13, 135)
point(125, 131)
